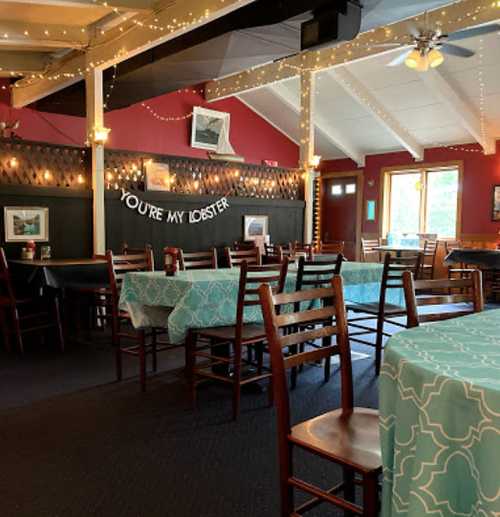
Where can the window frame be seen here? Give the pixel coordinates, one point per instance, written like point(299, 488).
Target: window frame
point(423, 169)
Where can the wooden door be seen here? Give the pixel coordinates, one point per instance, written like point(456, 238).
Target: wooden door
point(340, 212)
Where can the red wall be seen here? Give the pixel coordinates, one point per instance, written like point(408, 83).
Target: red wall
point(135, 129)
point(480, 174)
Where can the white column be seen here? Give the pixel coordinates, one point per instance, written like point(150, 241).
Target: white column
point(307, 148)
point(95, 118)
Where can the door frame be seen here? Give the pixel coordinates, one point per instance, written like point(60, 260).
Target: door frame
point(360, 181)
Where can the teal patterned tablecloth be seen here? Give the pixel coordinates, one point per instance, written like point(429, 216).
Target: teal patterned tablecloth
point(440, 419)
point(207, 298)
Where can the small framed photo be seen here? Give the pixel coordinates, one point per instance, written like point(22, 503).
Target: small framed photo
point(496, 203)
point(26, 223)
point(158, 176)
point(208, 125)
point(255, 226)
point(371, 210)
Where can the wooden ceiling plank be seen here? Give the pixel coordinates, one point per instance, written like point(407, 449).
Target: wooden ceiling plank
point(118, 45)
point(22, 62)
point(361, 94)
point(454, 17)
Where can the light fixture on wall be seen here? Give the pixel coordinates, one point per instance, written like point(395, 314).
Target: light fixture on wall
point(100, 135)
point(13, 163)
point(315, 161)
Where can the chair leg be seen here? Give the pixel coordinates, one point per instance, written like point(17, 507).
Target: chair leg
point(5, 331)
point(59, 329)
point(370, 496)
point(286, 472)
point(378, 344)
point(115, 332)
point(17, 329)
point(142, 359)
point(328, 364)
point(154, 349)
point(349, 489)
point(237, 381)
point(294, 371)
point(191, 364)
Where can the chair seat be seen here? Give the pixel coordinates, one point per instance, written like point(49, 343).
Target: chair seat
point(350, 439)
point(251, 333)
point(5, 301)
point(373, 308)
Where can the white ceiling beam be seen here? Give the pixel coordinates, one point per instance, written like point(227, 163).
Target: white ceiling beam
point(34, 35)
point(330, 132)
point(22, 62)
point(460, 108)
point(457, 16)
point(360, 93)
point(175, 17)
point(122, 5)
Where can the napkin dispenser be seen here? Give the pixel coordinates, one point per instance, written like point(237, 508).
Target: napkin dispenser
point(171, 258)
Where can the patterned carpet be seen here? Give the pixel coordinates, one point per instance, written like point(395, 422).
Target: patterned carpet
point(110, 451)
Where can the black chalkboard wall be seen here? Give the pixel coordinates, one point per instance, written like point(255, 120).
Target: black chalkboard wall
point(70, 214)
point(125, 225)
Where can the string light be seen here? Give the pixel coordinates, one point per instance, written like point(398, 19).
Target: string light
point(163, 118)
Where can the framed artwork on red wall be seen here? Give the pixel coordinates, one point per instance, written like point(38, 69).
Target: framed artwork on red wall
point(496, 203)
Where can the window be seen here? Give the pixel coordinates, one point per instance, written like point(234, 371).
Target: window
point(337, 190)
point(350, 188)
point(422, 200)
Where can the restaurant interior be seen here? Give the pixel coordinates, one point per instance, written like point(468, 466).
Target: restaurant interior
point(249, 258)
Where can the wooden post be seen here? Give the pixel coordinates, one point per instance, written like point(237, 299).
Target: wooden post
point(95, 118)
point(307, 148)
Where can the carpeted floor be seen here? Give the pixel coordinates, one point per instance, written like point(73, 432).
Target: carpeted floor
point(110, 451)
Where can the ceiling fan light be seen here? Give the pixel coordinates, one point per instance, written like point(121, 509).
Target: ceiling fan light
point(423, 63)
point(435, 57)
point(413, 59)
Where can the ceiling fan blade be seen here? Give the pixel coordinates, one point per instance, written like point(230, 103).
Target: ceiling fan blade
point(470, 33)
point(386, 45)
point(400, 59)
point(414, 30)
point(455, 50)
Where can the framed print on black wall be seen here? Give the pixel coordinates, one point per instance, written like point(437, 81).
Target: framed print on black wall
point(26, 223)
point(255, 226)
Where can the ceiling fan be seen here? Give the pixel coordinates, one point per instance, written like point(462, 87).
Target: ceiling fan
point(430, 45)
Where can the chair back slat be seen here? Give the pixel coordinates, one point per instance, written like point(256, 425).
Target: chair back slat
point(198, 260)
point(298, 247)
point(470, 291)
point(394, 268)
point(332, 247)
point(369, 251)
point(331, 304)
point(236, 258)
point(317, 274)
point(273, 253)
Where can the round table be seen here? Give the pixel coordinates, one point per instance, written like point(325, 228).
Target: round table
point(478, 257)
point(440, 419)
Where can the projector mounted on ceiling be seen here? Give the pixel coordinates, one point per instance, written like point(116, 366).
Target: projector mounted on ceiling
point(332, 24)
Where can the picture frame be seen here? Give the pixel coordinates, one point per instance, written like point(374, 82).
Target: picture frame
point(207, 128)
point(495, 213)
point(255, 227)
point(158, 176)
point(26, 223)
point(371, 210)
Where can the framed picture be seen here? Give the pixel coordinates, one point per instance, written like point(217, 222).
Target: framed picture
point(255, 226)
point(207, 128)
point(371, 207)
point(158, 176)
point(496, 203)
point(26, 223)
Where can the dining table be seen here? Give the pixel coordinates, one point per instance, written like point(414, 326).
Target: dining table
point(399, 249)
point(440, 419)
point(61, 273)
point(484, 258)
point(208, 298)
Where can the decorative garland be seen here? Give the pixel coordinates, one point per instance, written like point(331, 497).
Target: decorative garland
point(156, 213)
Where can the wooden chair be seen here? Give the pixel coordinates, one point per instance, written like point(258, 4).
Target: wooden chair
point(198, 260)
point(236, 258)
point(460, 270)
point(244, 245)
point(331, 247)
point(26, 314)
point(470, 292)
point(349, 436)
point(382, 311)
point(429, 259)
point(273, 254)
point(298, 247)
point(315, 275)
point(369, 251)
point(146, 342)
point(237, 337)
point(127, 250)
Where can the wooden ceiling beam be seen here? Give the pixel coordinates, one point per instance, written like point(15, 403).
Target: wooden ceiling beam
point(454, 17)
point(360, 93)
point(172, 19)
point(13, 63)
